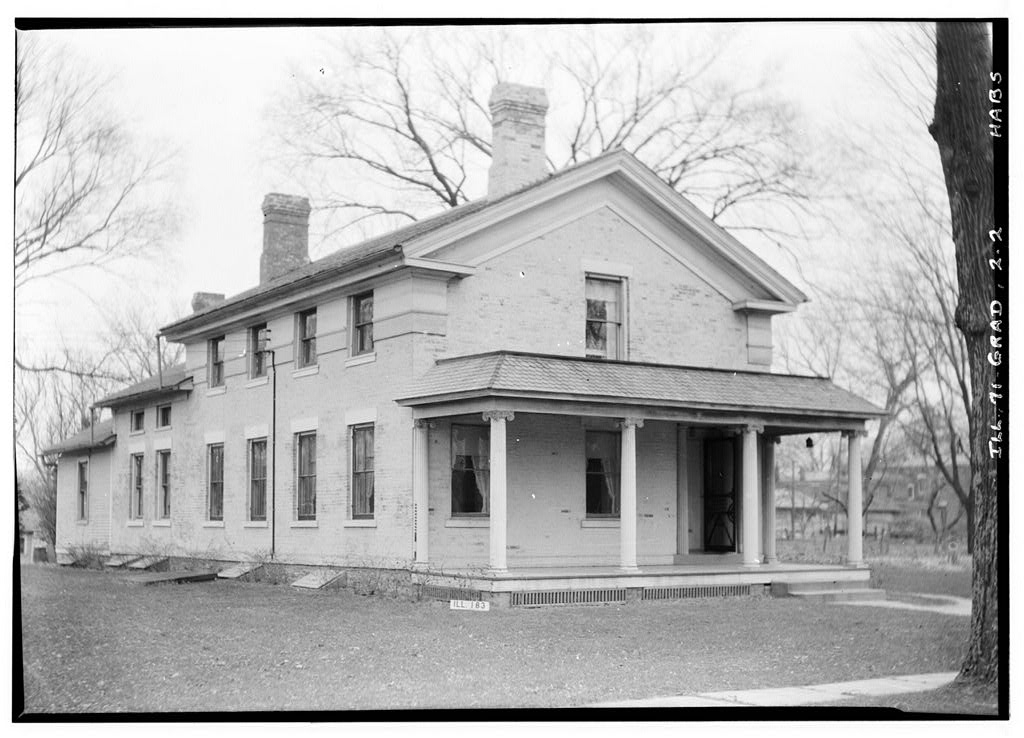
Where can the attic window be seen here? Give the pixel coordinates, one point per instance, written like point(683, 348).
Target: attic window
point(604, 317)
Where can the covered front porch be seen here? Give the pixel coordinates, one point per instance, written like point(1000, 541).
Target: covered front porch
point(544, 474)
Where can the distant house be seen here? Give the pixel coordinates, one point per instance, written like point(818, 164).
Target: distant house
point(32, 544)
point(564, 384)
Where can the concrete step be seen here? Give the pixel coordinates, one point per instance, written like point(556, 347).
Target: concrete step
point(839, 595)
point(118, 560)
point(824, 584)
point(175, 577)
point(317, 579)
point(150, 563)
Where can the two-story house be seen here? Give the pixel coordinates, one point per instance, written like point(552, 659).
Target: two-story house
point(561, 386)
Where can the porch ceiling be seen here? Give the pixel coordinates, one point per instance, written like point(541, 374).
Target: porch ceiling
point(563, 385)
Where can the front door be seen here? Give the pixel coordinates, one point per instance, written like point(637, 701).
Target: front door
point(719, 495)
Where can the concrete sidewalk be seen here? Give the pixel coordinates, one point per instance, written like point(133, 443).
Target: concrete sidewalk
point(788, 696)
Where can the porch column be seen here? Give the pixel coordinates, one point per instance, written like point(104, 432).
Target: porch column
point(421, 490)
point(768, 532)
point(499, 489)
point(855, 502)
point(749, 512)
point(627, 495)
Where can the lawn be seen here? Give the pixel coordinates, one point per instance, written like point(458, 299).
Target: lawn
point(95, 642)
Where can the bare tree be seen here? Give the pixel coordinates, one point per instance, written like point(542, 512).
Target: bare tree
point(964, 59)
point(410, 115)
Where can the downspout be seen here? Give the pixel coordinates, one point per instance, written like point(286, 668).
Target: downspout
point(159, 362)
point(273, 453)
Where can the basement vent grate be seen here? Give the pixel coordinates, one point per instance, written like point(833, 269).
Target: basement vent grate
point(567, 597)
point(434, 592)
point(718, 590)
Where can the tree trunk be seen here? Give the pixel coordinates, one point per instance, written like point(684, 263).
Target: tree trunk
point(961, 130)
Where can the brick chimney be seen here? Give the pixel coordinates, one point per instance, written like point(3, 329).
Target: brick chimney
point(203, 300)
point(285, 235)
point(517, 155)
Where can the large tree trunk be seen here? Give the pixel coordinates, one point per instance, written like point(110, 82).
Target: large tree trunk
point(961, 130)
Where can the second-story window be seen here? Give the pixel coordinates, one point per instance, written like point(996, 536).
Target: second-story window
point(163, 416)
point(604, 318)
point(217, 362)
point(362, 323)
point(138, 421)
point(307, 337)
point(258, 351)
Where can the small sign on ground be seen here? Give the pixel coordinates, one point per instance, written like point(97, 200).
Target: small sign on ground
point(470, 605)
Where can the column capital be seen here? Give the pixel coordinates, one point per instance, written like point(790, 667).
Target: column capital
point(490, 415)
point(631, 422)
point(851, 433)
point(753, 428)
point(423, 423)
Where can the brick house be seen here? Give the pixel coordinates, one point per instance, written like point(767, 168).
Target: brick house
point(561, 385)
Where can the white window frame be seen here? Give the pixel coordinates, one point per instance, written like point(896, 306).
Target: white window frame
point(298, 438)
point(249, 478)
point(354, 349)
point(137, 490)
point(254, 351)
point(138, 413)
point(163, 491)
point(82, 497)
point(209, 481)
point(622, 330)
point(212, 380)
point(159, 416)
point(301, 339)
point(352, 430)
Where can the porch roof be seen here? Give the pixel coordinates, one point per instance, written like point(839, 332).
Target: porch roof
point(508, 374)
point(99, 435)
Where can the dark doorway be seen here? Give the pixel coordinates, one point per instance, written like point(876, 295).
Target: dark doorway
point(719, 495)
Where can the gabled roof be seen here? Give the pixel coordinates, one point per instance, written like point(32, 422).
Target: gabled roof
point(514, 374)
point(419, 238)
point(174, 380)
point(97, 436)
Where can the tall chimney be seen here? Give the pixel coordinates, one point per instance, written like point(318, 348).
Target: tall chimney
point(285, 235)
point(517, 145)
point(203, 300)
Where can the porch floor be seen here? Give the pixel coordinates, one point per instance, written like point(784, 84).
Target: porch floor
point(534, 579)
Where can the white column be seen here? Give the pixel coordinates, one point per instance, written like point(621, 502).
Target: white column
point(682, 494)
point(627, 495)
point(421, 490)
point(499, 488)
point(748, 512)
point(769, 501)
point(855, 503)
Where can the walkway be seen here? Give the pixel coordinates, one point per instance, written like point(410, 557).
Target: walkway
point(943, 604)
point(788, 696)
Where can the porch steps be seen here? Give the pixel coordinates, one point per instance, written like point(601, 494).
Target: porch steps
point(317, 579)
point(174, 577)
point(827, 591)
point(118, 560)
point(238, 570)
point(150, 563)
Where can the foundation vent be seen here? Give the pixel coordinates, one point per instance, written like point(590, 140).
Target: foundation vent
point(434, 592)
point(567, 597)
point(718, 590)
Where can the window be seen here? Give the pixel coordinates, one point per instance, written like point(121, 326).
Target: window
point(258, 351)
point(217, 362)
point(163, 416)
point(602, 474)
point(362, 323)
point(135, 501)
point(138, 421)
point(215, 487)
point(471, 469)
point(83, 490)
point(163, 481)
point(362, 471)
point(305, 465)
point(604, 318)
point(258, 479)
point(307, 337)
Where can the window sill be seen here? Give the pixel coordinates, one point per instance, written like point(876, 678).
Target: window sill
point(213, 524)
point(161, 523)
point(81, 522)
point(137, 432)
point(467, 523)
point(306, 371)
point(362, 359)
point(255, 524)
point(257, 382)
point(214, 391)
point(600, 523)
point(135, 523)
point(163, 428)
point(305, 524)
point(361, 523)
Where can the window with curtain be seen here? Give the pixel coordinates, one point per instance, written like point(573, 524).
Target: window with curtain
point(602, 474)
point(471, 469)
point(362, 471)
point(305, 465)
point(604, 318)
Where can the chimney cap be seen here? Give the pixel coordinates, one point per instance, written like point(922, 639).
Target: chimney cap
point(511, 94)
point(278, 202)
